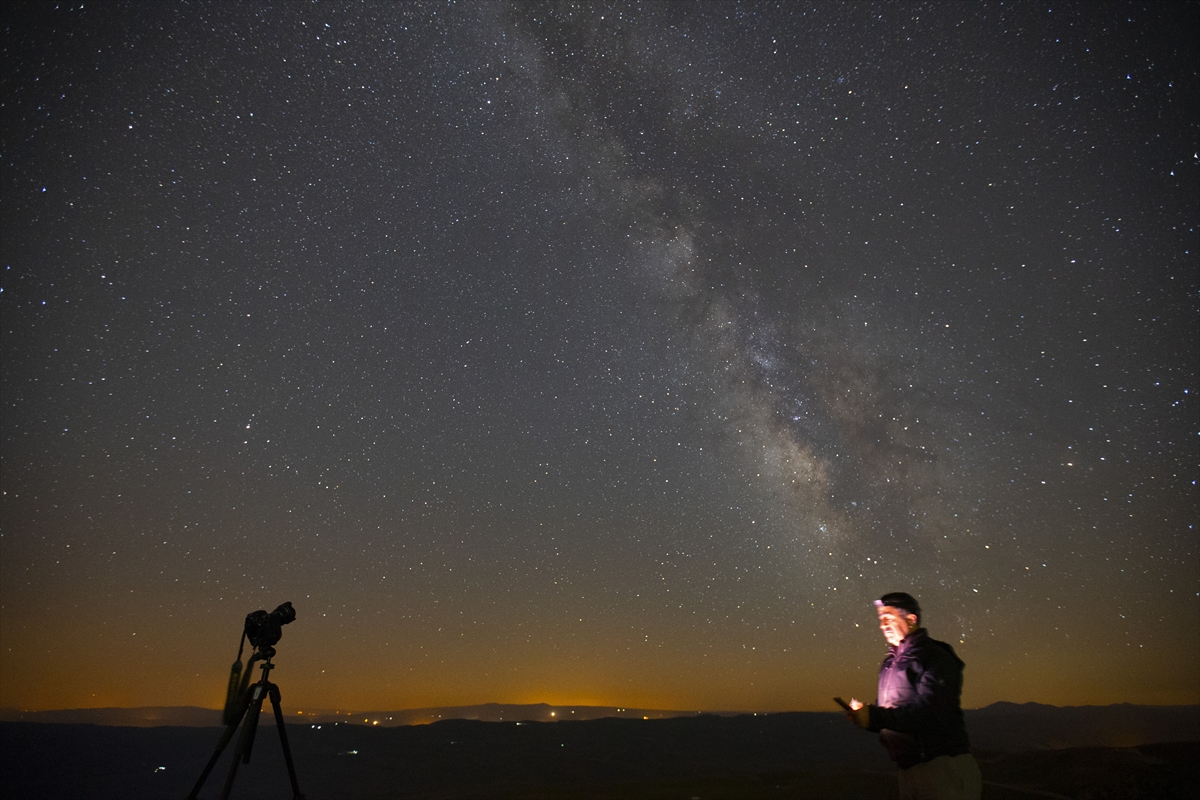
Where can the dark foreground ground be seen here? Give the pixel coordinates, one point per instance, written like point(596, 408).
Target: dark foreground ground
point(706, 757)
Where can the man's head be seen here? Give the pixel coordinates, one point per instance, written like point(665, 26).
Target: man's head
point(899, 615)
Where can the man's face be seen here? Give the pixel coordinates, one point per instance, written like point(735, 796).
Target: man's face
point(896, 623)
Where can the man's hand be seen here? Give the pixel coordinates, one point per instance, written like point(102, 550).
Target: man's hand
point(859, 714)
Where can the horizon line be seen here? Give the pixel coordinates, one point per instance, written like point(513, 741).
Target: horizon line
point(619, 708)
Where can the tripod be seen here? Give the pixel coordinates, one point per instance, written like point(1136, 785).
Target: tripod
point(250, 706)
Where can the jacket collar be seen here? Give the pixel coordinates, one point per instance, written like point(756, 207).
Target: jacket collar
point(908, 641)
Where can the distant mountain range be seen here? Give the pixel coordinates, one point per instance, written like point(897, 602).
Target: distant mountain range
point(1007, 727)
point(1013, 727)
point(1023, 751)
point(192, 716)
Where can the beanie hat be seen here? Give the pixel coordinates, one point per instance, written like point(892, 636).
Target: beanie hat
point(901, 600)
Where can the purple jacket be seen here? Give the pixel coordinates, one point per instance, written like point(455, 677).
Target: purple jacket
point(918, 716)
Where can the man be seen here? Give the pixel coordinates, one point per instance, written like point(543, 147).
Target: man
point(917, 713)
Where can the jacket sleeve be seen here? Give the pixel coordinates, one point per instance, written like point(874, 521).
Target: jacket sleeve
point(936, 692)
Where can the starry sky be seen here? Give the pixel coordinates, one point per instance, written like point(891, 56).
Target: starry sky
point(591, 353)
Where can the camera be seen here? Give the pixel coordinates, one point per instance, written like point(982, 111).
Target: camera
point(264, 630)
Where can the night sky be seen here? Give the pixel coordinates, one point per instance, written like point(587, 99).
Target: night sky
point(611, 354)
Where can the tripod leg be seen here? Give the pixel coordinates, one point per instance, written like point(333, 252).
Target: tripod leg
point(246, 743)
point(246, 740)
point(226, 738)
point(287, 751)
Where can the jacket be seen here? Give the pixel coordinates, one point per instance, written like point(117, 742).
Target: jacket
point(917, 715)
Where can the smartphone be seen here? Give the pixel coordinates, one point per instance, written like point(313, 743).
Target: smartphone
point(842, 703)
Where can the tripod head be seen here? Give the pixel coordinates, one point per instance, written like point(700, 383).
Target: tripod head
point(263, 654)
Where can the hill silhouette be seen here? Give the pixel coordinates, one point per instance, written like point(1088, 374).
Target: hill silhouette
point(192, 716)
point(792, 755)
point(1000, 726)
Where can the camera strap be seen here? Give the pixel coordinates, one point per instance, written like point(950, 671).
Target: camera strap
point(234, 691)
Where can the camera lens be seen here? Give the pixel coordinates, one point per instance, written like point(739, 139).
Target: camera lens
point(285, 614)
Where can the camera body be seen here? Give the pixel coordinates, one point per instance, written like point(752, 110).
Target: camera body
point(264, 630)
